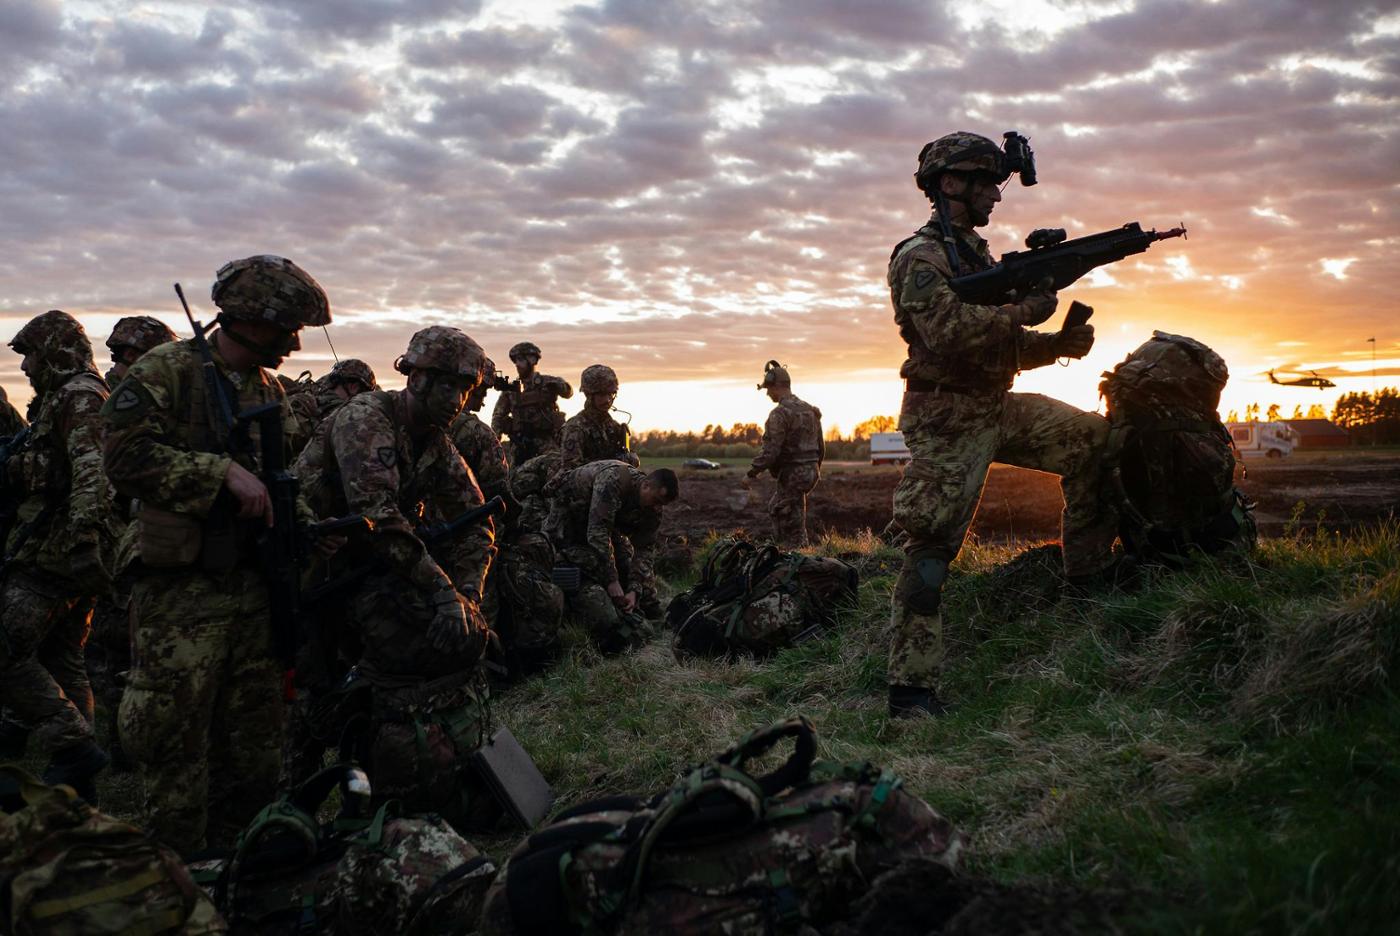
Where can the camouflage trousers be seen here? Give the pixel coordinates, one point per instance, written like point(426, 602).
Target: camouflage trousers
point(43, 678)
point(202, 713)
point(953, 439)
point(530, 605)
point(788, 506)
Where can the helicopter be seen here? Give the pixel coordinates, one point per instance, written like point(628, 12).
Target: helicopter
point(1316, 380)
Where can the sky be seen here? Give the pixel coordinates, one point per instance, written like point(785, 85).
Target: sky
point(684, 190)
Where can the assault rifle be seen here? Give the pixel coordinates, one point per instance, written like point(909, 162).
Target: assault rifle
point(1052, 257)
point(285, 547)
point(430, 533)
point(10, 496)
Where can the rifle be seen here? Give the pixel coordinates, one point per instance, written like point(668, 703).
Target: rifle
point(430, 533)
point(1052, 257)
point(10, 497)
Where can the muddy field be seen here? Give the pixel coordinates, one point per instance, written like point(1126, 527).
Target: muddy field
point(1342, 489)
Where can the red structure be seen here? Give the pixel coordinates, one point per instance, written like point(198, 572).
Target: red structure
point(1319, 434)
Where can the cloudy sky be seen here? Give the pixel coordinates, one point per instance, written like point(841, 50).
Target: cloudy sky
point(686, 189)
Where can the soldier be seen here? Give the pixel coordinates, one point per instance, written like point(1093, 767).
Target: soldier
point(11, 422)
point(479, 445)
point(202, 712)
point(592, 434)
point(958, 414)
point(416, 611)
point(606, 515)
point(793, 450)
point(58, 552)
point(529, 414)
point(132, 337)
point(311, 402)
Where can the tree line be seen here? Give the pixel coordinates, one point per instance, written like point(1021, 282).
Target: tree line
point(743, 440)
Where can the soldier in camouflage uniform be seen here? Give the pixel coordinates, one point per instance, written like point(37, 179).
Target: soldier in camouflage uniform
point(386, 454)
point(958, 414)
point(11, 422)
point(321, 397)
point(202, 713)
point(132, 337)
point(592, 434)
point(529, 413)
point(479, 444)
point(793, 450)
point(605, 515)
point(58, 554)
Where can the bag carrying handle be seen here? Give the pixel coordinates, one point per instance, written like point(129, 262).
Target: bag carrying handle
point(795, 770)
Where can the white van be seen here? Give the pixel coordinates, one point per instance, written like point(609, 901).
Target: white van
point(1270, 439)
point(888, 448)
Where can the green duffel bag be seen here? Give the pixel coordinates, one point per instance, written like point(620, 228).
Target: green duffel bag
point(722, 851)
point(68, 870)
point(758, 600)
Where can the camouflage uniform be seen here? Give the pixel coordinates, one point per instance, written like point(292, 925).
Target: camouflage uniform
point(483, 453)
point(591, 436)
point(59, 550)
point(202, 713)
point(527, 484)
point(530, 416)
point(364, 461)
point(132, 337)
point(597, 515)
point(957, 417)
point(313, 402)
point(792, 452)
point(11, 422)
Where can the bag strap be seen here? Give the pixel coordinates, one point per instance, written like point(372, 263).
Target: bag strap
point(796, 770)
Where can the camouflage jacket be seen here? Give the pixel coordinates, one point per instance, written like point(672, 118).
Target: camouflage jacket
point(363, 461)
point(792, 435)
point(533, 410)
point(589, 436)
point(482, 452)
point(954, 343)
point(67, 500)
point(309, 408)
point(161, 443)
point(598, 505)
point(11, 422)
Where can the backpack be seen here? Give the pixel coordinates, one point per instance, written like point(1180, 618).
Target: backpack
point(758, 599)
point(66, 868)
point(363, 872)
point(723, 851)
point(1172, 461)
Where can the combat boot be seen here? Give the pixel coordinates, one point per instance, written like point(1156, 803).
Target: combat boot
point(14, 739)
point(78, 766)
point(915, 701)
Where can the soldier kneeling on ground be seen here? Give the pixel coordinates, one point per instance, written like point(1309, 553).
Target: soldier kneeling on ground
point(605, 516)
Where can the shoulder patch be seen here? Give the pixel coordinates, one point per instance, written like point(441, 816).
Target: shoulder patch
point(128, 403)
point(125, 399)
point(923, 279)
point(388, 456)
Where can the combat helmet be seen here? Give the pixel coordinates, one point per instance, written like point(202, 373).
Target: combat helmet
point(352, 369)
point(775, 375)
point(59, 345)
point(141, 332)
point(598, 378)
point(523, 349)
point(267, 288)
point(444, 349)
point(971, 152)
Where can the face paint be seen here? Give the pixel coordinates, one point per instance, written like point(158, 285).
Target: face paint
point(445, 398)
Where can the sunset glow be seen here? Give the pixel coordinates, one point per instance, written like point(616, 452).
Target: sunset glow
point(685, 190)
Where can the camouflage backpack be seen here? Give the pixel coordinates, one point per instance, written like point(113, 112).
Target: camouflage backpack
point(363, 872)
point(66, 868)
point(758, 599)
point(1172, 459)
point(723, 851)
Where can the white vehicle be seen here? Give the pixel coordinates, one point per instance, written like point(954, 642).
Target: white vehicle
point(888, 448)
point(1269, 439)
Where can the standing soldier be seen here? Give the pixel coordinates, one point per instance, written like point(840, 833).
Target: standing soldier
point(529, 414)
point(793, 450)
point(417, 610)
point(202, 713)
point(606, 515)
point(478, 444)
point(58, 552)
point(592, 434)
point(958, 414)
point(132, 337)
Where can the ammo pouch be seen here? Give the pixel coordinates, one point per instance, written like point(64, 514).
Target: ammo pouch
point(168, 540)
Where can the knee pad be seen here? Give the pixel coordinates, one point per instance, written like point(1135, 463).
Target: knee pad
point(924, 586)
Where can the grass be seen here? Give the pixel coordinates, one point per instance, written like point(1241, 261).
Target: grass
point(1218, 745)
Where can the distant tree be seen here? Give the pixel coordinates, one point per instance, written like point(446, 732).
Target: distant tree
point(1233, 417)
point(1273, 414)
point(863, 431)
point(1297, 412)
point(1316, 412)
point(1251, 412)
point(1374, 419)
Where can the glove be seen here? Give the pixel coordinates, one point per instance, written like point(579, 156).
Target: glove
point(1036, 307)
point(457, 626)
point(754, 472)
point(1074, 343)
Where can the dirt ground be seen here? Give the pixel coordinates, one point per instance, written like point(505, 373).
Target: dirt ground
point(1343, 489)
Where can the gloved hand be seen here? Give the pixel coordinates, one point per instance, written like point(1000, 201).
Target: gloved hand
point(1037, 307)
point(450, 630)
point(754, 472)
point(1075, 342)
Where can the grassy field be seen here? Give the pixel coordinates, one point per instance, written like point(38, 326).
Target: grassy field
point(1215, 752)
